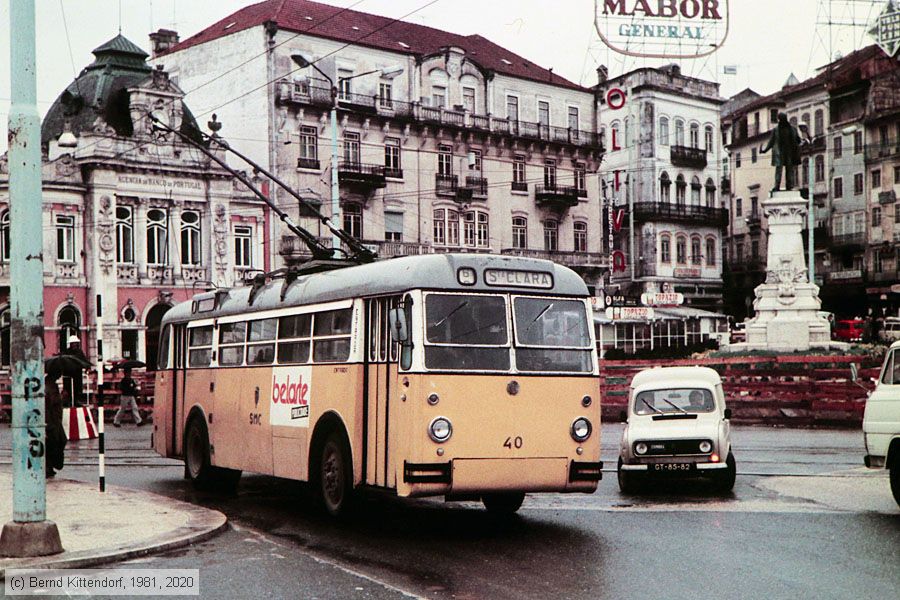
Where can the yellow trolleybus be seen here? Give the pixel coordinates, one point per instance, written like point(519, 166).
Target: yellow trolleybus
point(468, 376)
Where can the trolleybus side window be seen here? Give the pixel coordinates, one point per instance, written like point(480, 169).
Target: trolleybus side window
point(381, 346)
point(331, 331)
point(163, 359)
point(200, 341)
point(231, 343)
point(466, 332)
point(293, 338)
point(261, 341)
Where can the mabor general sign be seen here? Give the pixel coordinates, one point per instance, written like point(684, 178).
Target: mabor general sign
point(662, 28)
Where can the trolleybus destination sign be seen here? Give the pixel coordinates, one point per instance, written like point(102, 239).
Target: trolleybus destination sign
point(662, 28)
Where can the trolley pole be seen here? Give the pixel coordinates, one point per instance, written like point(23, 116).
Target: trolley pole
point(29, 533)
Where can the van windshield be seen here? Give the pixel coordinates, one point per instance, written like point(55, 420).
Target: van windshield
point(668, 401)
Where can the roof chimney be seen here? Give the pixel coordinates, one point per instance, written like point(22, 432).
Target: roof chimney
point(162, 41)
point(602, 74)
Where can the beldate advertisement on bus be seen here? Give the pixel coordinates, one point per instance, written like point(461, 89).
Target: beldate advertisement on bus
point(291, 392)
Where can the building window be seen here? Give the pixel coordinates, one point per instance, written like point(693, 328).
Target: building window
point(190, 237)
point(858, 184)
point(695, 135)
point(876, 178)
point(838, 146)
point(858, 142)
point(469, 228)
point(738, 207)
point(5, 341)
point(616, 140)
point(438, 96)
point(897, 214)
point(754, 207)
point(351, 147)
point(696, 257)
point(550, 173)
point(739, 253)
point(681, 250)
point(580, 229)
point(69, 323)
point(445, 160)
point(710, 140)
point(665, 249)
point(737, 160)
point(446, 227)
point(819, 123)
point(512, 108)
point(710, 252)
point(543, 112)
point(4, 236)
point(475, 163)
point(392, 165)
point(309, 148)
point(679, 132)
point(804, 173)
point(520, 233)
point(65, 238)
point(573, 120)
point(695, 191)
point(519, 183)
point(838, 187)
point(551, 235)
point(475, 229)
point(877, 262)
point(440, 228)
point(820, 168)
point(124, 235)
point(710, 193)
point(393, 226)
point(896, 175)
point(157, 237)
point(352, 214)
point(386, 95)
point(876, 217)
point(468, 95)
point(754, 250)
point(243, 246)
point(663, 131)
point(680, 189)
point(580, 177)
point(345, 84)
point(665, 186)
point(753, 155)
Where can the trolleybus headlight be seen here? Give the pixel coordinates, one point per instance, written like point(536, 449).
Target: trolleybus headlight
point(705, 446)
point(440, 430)
point(581, 429)
point(640, 448)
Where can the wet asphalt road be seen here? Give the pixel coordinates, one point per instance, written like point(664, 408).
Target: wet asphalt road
point(803, 521)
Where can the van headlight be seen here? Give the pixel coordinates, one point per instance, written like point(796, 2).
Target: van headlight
point(705, 446)
point(581, 429)
point(640, 448)
point(440, 430)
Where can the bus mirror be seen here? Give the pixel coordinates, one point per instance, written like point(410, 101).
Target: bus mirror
point(854, 372)
point(399, 332)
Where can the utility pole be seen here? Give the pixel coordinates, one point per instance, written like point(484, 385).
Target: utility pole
point(29, 533)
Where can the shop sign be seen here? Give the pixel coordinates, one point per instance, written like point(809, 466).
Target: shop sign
point(886, 29)
point(662, 299)
point(687, 272)
point(616, 313)
point(845, 275)
point(662, 28)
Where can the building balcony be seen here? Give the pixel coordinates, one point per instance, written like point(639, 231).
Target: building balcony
point(477, 185)
point(691, 158)
point(725, 185)
point(369, 177)
point(309, 163)
point(568, 259)
point(883, 276)
point(385, 249)
point(445, 184)
point(815, 147)
point(888, 197)
point(849, 240)
point(680, 213)
point(877, 152)
point(754, 223)
point(555, 196)
point(821, 237)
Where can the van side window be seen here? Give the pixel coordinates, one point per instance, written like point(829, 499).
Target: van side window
point(200, 341)
point(888, 377)
point(331, 331)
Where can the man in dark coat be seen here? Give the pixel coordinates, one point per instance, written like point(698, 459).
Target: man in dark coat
point(785, 146)
point(56, 435)
point(75, 384)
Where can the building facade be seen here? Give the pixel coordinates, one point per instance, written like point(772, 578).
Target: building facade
point(667, 154)
point(467, 148)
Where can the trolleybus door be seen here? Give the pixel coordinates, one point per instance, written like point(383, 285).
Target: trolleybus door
point(177, 388)
point(381, 387)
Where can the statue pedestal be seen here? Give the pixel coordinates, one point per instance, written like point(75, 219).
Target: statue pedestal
point(787, 305)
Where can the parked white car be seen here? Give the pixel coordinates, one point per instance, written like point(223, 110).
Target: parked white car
point(890, 333)
point(676, 425)
point(881, 421)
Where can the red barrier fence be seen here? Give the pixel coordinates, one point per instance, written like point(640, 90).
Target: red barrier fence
point(789, 389)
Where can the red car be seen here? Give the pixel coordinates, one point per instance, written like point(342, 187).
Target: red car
point(849, 330)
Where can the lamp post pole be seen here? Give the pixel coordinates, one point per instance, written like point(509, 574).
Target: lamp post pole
point(811, 219)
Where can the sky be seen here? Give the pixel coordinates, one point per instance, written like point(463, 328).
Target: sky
point(768, 39)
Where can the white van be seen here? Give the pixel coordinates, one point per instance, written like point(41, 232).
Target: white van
point(881, 421)
point(890, 333)
point(676, 426)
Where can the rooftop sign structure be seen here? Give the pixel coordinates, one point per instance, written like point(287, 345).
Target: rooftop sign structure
point(662, 28)
point(886, 30)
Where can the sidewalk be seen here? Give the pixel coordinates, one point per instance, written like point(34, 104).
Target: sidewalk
point(116, 525)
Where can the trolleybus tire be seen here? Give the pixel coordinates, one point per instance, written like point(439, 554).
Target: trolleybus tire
point(895, 481)
point(503, 503)
point(724, 479)
point(628, 482)
point(333, 477)
point(197, 465)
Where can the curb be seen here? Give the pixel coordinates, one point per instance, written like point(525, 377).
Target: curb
point(203, 523)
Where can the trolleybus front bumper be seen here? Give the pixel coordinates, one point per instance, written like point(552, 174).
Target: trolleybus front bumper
point(462, 475)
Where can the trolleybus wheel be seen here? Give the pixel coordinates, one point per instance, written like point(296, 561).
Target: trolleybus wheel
point(197, 462)
point(505, 504)
point(335, 475)
point(724, 479)
point(895, 481)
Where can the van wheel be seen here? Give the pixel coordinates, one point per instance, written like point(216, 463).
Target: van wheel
point(724, 481)
point(628, 482)
point(503, 504)
point(197, 465)
point(895, 482)
point(334, 475)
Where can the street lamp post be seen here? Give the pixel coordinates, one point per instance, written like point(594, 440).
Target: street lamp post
point(303, 60)
point(810, 216)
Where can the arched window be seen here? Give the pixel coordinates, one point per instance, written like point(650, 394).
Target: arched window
point(696, 252)
point(157, 237)
point(551, 235)
point(4, 236)
point(819, 124)
point(580, 229)
point(680, 189)
point(710, 139)
point(520, 232)
point(124, 234)
point(710, 193)
point(4, 337)
point(665, 187)
point(190, 237)
point(616, 139)
point(695, 191)
point(820, 168)
point(664, 131)
point(665, 248)
point(475, 229)
point(710, 252)
point(695, 135)
point(681, 250)
point(679, 132)
point(440, 228)
point(69, 323)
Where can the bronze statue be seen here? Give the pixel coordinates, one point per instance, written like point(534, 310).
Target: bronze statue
point(785, 146)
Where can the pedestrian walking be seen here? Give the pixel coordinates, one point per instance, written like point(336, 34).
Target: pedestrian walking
point(56, 435)
point(75, 384)
point(128, 400)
